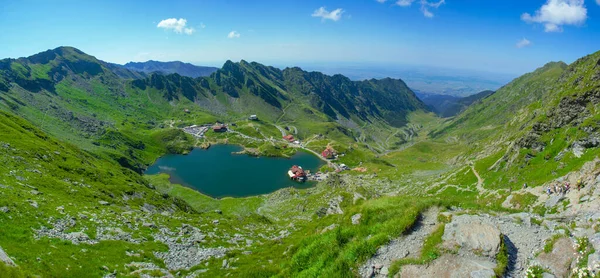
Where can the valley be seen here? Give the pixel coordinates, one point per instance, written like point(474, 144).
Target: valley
point(82, 193)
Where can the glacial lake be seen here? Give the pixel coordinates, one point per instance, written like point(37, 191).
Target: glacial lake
point(217, 172)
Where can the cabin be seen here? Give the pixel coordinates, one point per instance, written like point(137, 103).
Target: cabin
point(297, 173)
point(328, 153)
point(289, 138)
point(253, 118)
point(219, 128)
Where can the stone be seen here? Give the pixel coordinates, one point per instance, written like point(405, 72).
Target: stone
point(585, 198)
point(216, 221)
point(475, 237)
point(218, 211)
point(553, 200)
point(329, 228)
point(449, 265)
point(225, 264)
point(149, 225)
point(104, 203)
point(4, 209)
point(558, 261)
point(384, 271)
point(334, 206)
point(33, 203)
point(577, 150)
point(356, 219)
point(483, 273)
point(148, 208)
point(5, 258)
point(594, 260)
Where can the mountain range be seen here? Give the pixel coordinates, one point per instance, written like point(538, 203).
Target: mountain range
point(77, 133)
point(447, 105)
point(184, 69)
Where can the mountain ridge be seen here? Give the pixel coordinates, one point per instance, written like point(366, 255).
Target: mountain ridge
point(181, 68)
point(447, 105)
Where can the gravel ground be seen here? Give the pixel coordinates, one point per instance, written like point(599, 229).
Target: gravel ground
point(408, 245)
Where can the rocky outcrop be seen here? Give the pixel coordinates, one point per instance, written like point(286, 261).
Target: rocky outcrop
point(185, 251)
point(472, 235)
point(5, 258)
point(449, 265)
point(558, 261)
point(481, 236)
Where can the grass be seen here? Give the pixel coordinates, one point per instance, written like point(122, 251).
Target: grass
point(7, 271)
point(523, 201)
point(334, 253)
point(90, 140)
point(501, 259)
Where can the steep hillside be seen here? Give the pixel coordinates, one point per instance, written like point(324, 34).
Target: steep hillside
point(447, 105)
point(422, 192)
point(82, 100)
point(537, 127)
point(183, 69)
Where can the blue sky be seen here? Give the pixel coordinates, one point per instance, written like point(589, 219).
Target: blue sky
point(493, 36)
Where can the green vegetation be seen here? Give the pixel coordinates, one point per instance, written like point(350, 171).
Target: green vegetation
point(78, 133)
point(522, 201)
point(501, 259)
point(333, 253)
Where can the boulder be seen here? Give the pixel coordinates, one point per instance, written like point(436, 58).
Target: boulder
point(475, 237)
point(356, 219)
point(329, 228)
point(5, 258)
point(577, 150)
point(553, 200)
point(449, 265)
point(558, 261)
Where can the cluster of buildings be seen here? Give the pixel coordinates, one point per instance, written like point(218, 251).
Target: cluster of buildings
point(219, 127)
point(329, 153)
point(297, 173)
point(196, 130)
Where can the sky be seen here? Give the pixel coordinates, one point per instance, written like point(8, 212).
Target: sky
point(509, 36)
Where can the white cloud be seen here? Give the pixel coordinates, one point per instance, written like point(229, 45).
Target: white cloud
point(324, 14)
point(383, 1)
point(426, 12)
point(425, 5)
point(202, 25)
point(176, 25)
point(556, 13)
point(404, 3)
point(598, 2)
point(433, 4)
point(233, 35)
point(523, 43)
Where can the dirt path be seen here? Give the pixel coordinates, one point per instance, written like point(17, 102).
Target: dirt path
point(479, 180)
point(406, 246)
point(282, 130)
point(283, 113)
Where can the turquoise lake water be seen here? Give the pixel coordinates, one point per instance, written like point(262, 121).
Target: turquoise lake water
point(218, 173)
